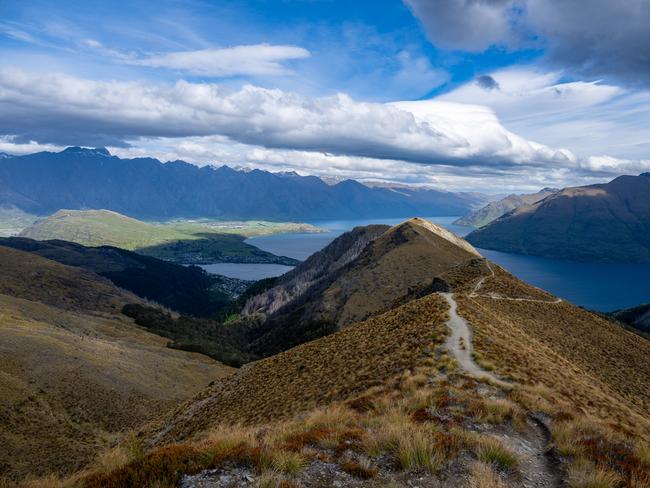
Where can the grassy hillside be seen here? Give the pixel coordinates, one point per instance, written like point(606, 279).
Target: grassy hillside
point(561, 398)
point(391, 263)
point(74, 371)
point(381, 403)
point(183, 242)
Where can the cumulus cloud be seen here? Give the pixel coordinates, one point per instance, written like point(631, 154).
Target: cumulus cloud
point(593, 38)
point(61, 108)
point(246, 60)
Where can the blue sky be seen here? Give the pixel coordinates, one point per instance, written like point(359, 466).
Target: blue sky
point(356, 47)
point(503, 89)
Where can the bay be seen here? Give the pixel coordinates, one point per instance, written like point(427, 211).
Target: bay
point(596, 286)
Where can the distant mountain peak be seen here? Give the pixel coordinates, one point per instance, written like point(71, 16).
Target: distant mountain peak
point(98, 151)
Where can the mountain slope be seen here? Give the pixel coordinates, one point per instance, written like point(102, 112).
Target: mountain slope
point(188, 243)
point(318, 266)
point(399, 259)
point(74, 371)
point(606, 222)
point(637, 317)
point(494, 210)
point(79, 178)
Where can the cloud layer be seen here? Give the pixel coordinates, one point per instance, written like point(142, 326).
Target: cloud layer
point(63, 109)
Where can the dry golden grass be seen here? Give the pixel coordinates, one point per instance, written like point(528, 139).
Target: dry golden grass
point(279, 450)
point(402, 259)
point(28, 276)
point(587, 364)
point(483, 476)
point(320, 372)
point(492, 451)
point(583, 474)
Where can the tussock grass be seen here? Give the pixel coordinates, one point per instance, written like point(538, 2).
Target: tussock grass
point(494, 411)
point(129, 450)
point(492, 451)
point(273, 480)
point(287, 462)
point(643, 453)
point(483, 476)
point(583, 474)
point(419, 451)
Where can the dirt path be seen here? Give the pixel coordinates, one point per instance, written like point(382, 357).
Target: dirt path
point(459, 343)
point(496, 296)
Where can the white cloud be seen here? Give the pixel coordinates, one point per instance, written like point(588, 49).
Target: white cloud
point(428, 132)
point(246, 60)
point(588, 118)
point(9, 145)
point(217, 151)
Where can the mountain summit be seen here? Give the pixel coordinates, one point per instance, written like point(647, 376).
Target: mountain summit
point(379, 266)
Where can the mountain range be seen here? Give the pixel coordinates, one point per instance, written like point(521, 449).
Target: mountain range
point(603, 222)
point(494, 210)
point(80, 178)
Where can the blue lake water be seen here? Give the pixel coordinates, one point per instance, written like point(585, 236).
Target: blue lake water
point(597, 286)
point(246, 271)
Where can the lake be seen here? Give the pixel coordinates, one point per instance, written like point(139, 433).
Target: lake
point(597, 286)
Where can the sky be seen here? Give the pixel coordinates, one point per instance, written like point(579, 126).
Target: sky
point(464, 95)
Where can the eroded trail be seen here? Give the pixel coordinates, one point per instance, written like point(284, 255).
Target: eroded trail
point(459, 343)
point(536, 469)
